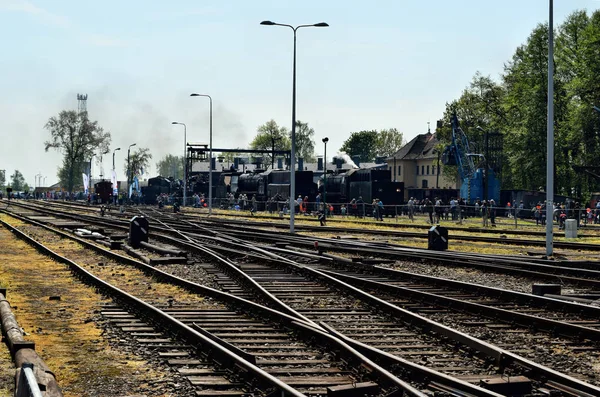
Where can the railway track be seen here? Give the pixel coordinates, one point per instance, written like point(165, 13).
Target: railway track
point(252, 269)
point(252, 341)
point(421, 234)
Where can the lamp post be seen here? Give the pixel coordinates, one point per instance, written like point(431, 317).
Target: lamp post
point(325, 140)
point(184, 162)
point(91, 162)
point(485, 174)
point(114, 157)
point(102, 164)
point(293, 150)
point(550, 133)
point(209, 154)
point(37, 176)
point(45, 181)
point(129, 176)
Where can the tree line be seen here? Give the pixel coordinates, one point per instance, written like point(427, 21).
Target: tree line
point(515, 105)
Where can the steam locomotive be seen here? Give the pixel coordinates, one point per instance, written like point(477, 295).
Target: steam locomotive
point(366, 183)
point(266, 185)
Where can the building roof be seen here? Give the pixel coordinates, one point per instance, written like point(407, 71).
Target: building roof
point(420, 147)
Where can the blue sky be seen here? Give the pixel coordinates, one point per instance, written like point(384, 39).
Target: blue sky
point(380, 64)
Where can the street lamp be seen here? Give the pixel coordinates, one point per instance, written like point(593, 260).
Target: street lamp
point(550, 134)
point(485, 175)
point(325, 140)
point(209, 155)
point(37, 176)
point(114, 157)
point(184, 162)
point(45, 181)
point(91, 162)
point(129, 173)
point(293, 151)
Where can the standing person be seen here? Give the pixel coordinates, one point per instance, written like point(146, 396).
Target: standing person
point(318, 202)
point(361, 207)
point(438, 210)
point(380, 209)
point(353, 207)
point(253, 210)
point(484, 212)
point(411, 209)
point(493, 212)
point(375, 209)
point(429, 209)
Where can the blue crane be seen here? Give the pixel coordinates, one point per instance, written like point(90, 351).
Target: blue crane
point(476, 178)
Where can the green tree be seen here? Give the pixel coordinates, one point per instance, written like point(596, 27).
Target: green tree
point(363, 144)
point(388, 142)
point(138, 160)
point(2, 178)
point(74, 135)
point(305, 144)
point(269, 135)
point(171, 166)
point(17, 181)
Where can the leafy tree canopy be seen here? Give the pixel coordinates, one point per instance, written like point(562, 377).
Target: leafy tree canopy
point(388, 142)
point(305, 144)
point(370, 144)
point(77, 138)
point(516, 106)
point(171, 165)
point(139, 160)
point(17, 181)
point(268, 135)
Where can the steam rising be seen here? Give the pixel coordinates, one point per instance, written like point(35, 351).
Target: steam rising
point(344, 156)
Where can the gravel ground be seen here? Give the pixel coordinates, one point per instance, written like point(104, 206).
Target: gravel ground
point(474, 276)
point(555, 353)
point(191, 271)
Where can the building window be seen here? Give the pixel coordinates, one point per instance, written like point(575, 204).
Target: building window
point(433, 169)
point(417, 170)
point(422, 170)
point(399, 170)
point(427, 170)
point(424, 184)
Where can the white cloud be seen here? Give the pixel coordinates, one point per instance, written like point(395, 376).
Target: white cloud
point(28, 7)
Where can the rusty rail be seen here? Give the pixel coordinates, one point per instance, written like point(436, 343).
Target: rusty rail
point(32, 374)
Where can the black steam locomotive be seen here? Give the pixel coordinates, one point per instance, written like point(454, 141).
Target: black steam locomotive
point(157, 186)
point(266, 185)
point(104, 191)
point(366, 183)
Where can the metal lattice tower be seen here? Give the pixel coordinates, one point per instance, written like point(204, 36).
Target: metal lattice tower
point(82, 103)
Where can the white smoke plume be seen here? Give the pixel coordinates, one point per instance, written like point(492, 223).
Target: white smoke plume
point(344, 156)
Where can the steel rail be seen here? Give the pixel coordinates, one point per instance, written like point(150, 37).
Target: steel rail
point(402, 253)
point(508, 316)
point(298, 324)
point(413, 368)
point(396, 233)
point(165, 320)
point(501, 356)
point(549, 303)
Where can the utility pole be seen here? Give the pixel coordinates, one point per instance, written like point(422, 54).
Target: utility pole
point(550, 134)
